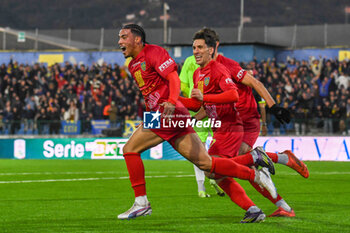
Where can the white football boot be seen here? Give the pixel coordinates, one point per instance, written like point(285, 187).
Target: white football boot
point(136, 210)
point(262, 178)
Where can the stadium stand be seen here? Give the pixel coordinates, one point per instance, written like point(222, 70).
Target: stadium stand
point(35, 99)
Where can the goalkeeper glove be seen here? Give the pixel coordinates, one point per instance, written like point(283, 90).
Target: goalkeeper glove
point(282, 114)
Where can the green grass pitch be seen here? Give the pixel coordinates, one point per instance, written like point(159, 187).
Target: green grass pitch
point(87, 195)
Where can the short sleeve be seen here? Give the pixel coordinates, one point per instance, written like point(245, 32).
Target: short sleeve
point(223, 77)
point(226, 83)
point(160, 59)
point(237, 73)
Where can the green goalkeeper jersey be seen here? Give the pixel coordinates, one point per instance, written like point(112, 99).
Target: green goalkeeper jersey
point(186, 77)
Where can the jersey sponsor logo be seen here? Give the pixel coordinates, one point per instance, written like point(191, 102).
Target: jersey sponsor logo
point(151, 120)
point(143, 66)
point(240, 74)
point(228, 81)
point(149, 89)
point(139, 79)
point(206, 81)
point(152, 100)
point(200, 86)
point(211, 111)
point(135, 64)
point(166, 64)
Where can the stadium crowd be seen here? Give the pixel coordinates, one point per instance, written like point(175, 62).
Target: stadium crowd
point(35, 99)
point(317, 93)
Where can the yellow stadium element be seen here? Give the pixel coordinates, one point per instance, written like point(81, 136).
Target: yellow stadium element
point(344, 55)
point(51, 59)
point(130, 127)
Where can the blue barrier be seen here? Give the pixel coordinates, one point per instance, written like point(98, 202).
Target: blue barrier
point(48, 58)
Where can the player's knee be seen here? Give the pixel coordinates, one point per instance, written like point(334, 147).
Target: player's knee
point(128, 148)
point(204, 164)
point(244, 148)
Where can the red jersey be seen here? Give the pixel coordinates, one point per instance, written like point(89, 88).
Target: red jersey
point(214, 78)
point(149, 69)
point(246, 105)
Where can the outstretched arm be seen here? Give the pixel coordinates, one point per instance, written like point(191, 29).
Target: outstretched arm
point(222, 98)
point(191, 103)
point(259, 88)
point(174, 92)
point(282, 114)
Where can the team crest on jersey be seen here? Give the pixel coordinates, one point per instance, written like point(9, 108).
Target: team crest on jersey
point(206, 81)
point(143, 66)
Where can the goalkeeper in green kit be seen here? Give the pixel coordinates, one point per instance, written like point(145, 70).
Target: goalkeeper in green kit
point(186, 77)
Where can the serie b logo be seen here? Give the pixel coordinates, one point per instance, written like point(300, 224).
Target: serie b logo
point(151, 120)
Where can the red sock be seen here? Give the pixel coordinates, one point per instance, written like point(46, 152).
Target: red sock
point(245, 159)
point(237, 194)
point(136, 172)
point(227, 167)
point(273, 156)
point(265, 193)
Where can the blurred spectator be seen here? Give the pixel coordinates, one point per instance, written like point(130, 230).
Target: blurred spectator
point(97, 110)
point(324, 87)
point(342, 80)
point(2, 125)
point(28, 115)
point(55, 123)
point(347, 122)
point(316, 91)
point(106, 111)
point(113, 111)
point(15, 121)
point(327, 117)
point(85, 121)
point(316, 66)
point(41, 119)
point(72, 114)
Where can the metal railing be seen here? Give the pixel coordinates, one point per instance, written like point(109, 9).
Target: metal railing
point(295, 36)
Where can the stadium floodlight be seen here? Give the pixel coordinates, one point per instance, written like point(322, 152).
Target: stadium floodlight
point(165, 22)
point(241, 21)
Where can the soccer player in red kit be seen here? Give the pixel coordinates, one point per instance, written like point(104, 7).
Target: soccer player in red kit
point(247, 108)
point(156, 75)
point(214, 87)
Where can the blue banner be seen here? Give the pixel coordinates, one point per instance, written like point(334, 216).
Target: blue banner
point(49, 58)
point(99, 125)
point(70, 127)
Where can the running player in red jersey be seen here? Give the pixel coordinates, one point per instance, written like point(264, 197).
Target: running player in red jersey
point(247, 108)
point(212, 80)
point(156, 75)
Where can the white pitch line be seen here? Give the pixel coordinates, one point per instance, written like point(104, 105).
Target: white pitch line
point(74, 173)
point(313, 173)
point(151, 172)
point(83, 179)
point(126, 177)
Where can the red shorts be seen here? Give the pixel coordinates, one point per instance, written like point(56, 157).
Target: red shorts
point(171, 133)
point(251, 130)
point(226, 144)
